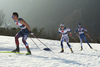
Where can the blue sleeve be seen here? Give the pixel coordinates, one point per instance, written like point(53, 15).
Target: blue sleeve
point(70, 31)
point(76, 30)
point(84, 29)
point(59, 32)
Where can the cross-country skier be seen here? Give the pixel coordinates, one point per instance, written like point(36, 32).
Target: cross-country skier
point(81, 31)
point(25, 30)
point(63, 31)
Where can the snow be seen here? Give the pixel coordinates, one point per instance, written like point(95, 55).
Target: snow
point(85, 58)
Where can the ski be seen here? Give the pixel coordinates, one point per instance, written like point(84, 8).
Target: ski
point(94, 49)
point(11, 52)
point(91, 49)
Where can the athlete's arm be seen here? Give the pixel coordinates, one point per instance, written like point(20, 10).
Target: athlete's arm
point(76, 30)
point(60, 35)
point(84, 29)
point(24, 23)
point(69, 31)
point(60, 32)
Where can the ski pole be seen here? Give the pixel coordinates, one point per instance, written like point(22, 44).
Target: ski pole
point(74, 39)
point(35, 44)
point(41, 42)
point(77, 34)
point(89, 36)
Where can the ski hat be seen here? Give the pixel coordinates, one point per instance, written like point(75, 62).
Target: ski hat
point(61, 24)
point(79, 24)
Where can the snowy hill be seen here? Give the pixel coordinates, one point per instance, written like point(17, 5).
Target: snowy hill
point(85, 58)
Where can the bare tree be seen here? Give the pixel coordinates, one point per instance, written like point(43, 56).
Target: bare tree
point(2, 17)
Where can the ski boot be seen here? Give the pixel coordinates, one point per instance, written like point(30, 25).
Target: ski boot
point(62, 50)
point(16, 50)
point(90, 46)
point(81, 48)
point(71, 50)
point(29, 52)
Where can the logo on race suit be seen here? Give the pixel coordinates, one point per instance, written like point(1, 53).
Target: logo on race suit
point(16, 23)
point(62, 31)
point(23, 25)
point(79, 29)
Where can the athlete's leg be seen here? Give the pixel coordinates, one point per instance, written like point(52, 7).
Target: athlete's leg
point(81, 42)
point(69, 47)
point(19, 34)
point(62, 40)
point(67, 41)
point(24, 38)
point(25, 43)
point(61, 44)
point(87, 42)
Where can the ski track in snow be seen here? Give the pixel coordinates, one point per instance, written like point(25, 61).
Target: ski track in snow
point(85, 58)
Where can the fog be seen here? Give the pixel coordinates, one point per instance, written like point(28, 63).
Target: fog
point(38, 13)
point(50, 13)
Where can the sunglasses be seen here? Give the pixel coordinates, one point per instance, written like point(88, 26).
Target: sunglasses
point(79, 25)
point(12, 16)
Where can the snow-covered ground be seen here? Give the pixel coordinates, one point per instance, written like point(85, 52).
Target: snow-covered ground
point(85, 58)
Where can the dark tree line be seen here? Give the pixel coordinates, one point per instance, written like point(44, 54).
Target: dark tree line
point(80, 14)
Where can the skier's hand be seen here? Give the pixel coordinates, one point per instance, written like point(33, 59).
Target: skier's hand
point(70, 34)
point(31, 33)
point(75, 32)
point(60, 35)
point(91, 39)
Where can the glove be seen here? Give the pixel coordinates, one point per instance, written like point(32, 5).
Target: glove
point(60, 35)
point(75, 32)
point(31, 33)
point(70, 34)
point(91, 39)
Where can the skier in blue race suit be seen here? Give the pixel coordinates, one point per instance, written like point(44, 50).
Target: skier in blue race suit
point(63, 31)
point(81, 31)
point(25, 30)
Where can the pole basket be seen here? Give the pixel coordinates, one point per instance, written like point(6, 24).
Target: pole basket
point(47, 49)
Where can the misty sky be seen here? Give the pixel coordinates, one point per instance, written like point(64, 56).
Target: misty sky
point(50, 13)
point(37, 13)
point(23, 7)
